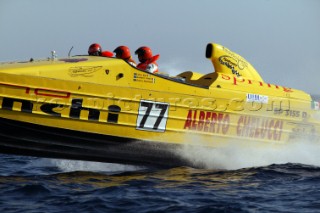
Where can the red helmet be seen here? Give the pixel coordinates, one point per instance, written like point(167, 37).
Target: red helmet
point(95, 49)
point(122, 52)
point(144, 53)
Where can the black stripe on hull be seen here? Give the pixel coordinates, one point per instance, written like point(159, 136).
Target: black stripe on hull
point(28, 139)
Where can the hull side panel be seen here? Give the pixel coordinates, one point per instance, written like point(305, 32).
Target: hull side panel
point(41, 141)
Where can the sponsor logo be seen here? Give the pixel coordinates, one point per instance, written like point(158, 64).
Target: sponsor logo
point(242, 81)
point(231, 63)
point(86, 71)
point(246, 126)
point(257, 98)
point(207, 121)
point(259, 128)
point(51, 109)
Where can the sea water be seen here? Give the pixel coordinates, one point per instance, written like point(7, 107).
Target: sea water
point(236, 178)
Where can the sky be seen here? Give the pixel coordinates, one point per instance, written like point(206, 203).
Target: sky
point(280, 38)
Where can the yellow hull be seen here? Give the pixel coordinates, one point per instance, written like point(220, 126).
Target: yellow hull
point(108, 97)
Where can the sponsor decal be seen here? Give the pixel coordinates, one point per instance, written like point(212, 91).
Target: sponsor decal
point(75, 109)
point(207, 122)
point(143, 77)
point(259, 128)
point(231, 63)
point(242, 81)
point(257, 98)
point(246, 126)
point(237, 59)
point(85, 71)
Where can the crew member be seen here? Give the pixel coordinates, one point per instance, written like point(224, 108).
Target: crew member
point(147, 60)
point(96, 50)
point(123, 52)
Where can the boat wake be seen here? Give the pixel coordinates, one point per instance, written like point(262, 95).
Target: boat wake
point(239, 154)
point(242, 153)
point(77, 165)
point(234, 155)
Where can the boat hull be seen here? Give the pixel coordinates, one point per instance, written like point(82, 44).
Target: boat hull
point(29, 139)
point(104, 109)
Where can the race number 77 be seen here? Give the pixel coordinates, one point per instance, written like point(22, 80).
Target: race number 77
point(152, 116)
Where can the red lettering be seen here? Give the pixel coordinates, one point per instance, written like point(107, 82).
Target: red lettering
point(235, 80)
point(280, 130)
point(52, 93)
point(206, 128)
point(254, 127)
point(264, 128)
point(213, 122)
point(277, 130)
point(194, 122)
point(257, 130)
point(247, 121)
point(225, 77)
point(220, 117)
point(201, 120)
point(241, 80)
point(287, 89)
point(207, 122)
point(271, 125)
point(226, 122)
point(187, 124)
point(240, 124)
point(45, 92)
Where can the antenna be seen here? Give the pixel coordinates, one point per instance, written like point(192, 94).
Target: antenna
point(70, 51)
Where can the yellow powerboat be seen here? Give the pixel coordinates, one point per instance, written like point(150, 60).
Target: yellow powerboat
point(104, 109)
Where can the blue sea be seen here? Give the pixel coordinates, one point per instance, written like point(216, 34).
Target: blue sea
point(239, 178)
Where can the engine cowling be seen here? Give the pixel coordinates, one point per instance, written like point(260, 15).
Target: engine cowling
point(227, 62)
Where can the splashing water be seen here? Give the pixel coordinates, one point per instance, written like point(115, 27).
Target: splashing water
point(75, 165)
point(243, 154)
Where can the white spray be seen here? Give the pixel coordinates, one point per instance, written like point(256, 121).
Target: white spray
point(242, 154)
point(76, 165)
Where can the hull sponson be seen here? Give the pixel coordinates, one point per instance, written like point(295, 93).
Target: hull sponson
point(41, 141)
